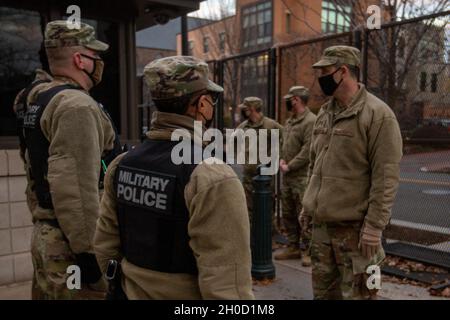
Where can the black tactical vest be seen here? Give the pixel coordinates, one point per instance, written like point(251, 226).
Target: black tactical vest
point(151, 209)
point(36, 143)
point(21, 109)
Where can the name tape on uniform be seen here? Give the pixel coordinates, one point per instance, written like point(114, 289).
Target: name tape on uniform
point(145, 188)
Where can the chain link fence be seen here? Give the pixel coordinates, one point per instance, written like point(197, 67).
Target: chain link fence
point(406, 64)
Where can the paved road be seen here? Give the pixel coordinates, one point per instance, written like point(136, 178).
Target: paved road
point(423, 196)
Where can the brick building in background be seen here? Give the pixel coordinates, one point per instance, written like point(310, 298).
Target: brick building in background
point(262, 24)
point(161, 40)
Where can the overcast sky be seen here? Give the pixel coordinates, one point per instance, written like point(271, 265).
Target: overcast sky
point(211, 9)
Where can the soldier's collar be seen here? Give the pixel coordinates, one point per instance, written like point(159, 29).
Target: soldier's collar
point(67, 80)
point(300, 117)
point(355, 106)
point(163, 124)
point(256, 124)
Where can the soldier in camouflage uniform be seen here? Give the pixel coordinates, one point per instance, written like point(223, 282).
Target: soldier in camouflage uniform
point(64, 141)
point(294, 165)
point(355, 154)
point(252, 107)
point(198, 248)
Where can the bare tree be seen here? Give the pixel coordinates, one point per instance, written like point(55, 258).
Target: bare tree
point(397, 54)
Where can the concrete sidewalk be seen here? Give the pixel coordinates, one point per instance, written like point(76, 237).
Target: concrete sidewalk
point(293, 282)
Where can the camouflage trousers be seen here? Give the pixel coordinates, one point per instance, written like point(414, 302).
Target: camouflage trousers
point(51, 256)
point(291, 200)
point(338, 268)
point(248, 188)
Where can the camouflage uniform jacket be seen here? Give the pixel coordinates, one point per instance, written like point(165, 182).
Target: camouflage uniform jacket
point(264, 123)
point(354, 166)
point(296, 144)
point(79, 133)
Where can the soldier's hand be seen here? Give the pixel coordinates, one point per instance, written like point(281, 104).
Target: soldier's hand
point(370, 240)
point(90, 271)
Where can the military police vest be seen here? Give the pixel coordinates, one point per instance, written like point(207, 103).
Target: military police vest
point(21, 109)
point(33, 139)
point(152, 214)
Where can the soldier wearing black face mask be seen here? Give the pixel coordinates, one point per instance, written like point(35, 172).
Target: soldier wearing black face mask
point(256, 120)
point(294, 160)
point(356, 147)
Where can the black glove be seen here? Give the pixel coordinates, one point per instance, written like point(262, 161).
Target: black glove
point(90, 271)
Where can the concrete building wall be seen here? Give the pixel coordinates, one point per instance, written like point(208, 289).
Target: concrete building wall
point(15, 221)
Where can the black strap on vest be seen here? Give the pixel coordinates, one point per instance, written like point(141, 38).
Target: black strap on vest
point(152, 214)
point(37, 144)
point(21, 109)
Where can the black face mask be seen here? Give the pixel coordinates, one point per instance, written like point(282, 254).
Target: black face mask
point(328, 85)
point(244, 115)
point(289, 105)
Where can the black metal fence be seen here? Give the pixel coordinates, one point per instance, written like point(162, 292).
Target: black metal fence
point(406, 64)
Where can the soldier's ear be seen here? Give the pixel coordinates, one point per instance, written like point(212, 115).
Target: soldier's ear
point(345, 71)
point(77, 60)
point(203, 102)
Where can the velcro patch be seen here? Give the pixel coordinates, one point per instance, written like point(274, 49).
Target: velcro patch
point(146, 189)
point(342, 132)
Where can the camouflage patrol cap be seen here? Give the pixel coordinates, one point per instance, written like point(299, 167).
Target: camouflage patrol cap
point(298, 91)
point(58, 34)
point(177, 76)
point(339, 54)
point(251, 102)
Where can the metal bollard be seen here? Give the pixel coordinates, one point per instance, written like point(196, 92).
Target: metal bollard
point(261, 232)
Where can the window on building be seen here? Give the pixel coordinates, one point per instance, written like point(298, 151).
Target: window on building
point(222, 42)
point(257, 25)
point(335, 17)
point(205, 44)
point(288, 22)
point(254, 77)
point(191, 47)
point(423, 81)
point(20, 54)
point(434, 80)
